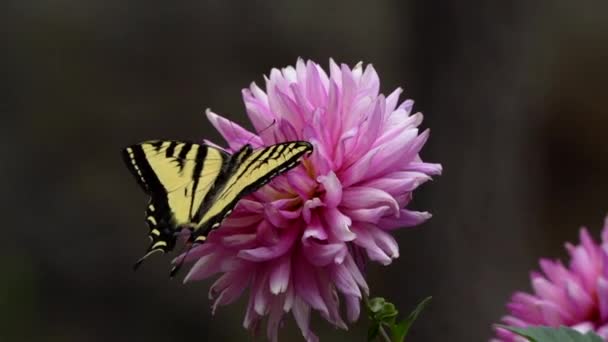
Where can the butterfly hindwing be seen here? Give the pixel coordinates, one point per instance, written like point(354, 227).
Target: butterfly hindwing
point(178, 176)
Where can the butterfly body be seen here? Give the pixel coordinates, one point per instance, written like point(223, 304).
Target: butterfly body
point(195, 186)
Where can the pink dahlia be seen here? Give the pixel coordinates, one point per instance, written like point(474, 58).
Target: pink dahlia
point(574, 296)
point(298, 242)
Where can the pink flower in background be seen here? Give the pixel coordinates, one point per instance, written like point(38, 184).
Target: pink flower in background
point(574, 296)
point(298, 243)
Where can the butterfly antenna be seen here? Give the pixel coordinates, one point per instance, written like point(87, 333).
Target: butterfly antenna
point(177, 267)
point(259, 133)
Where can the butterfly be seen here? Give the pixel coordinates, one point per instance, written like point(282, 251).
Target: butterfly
point(195, 186)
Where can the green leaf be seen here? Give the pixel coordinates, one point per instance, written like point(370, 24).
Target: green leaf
point(375, 304)
point(399, 331)
point(550, 334)
point(381, 311)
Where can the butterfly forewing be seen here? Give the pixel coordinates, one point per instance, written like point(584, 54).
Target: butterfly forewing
point(254, 169)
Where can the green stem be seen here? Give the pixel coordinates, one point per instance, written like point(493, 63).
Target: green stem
point(384, 334)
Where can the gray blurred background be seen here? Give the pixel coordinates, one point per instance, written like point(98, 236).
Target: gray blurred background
point(514, 92)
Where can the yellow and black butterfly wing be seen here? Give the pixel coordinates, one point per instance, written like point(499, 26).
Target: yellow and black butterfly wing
point(249, 170)
point(178, 176)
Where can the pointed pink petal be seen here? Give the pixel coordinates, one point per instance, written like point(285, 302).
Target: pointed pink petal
point(306, 285)
point(280, 275)
point(356, 197)
point(333, 189)
point(407, 218)
point(339, 224)
point(288, 237)
point(235, 135)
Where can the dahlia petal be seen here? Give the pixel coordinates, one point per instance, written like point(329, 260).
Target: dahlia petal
point(358, 170)
point(407, 105)
point(357, 72)
point(301, 72)
point(251, 317)
point(356, 197)
point(334, 109)
point(555, 271)
point(314, 229)
point(276, 217)
point(602, 294)
point(344, 280)
point(428, 168)
point(249, 206)
point(322, 75)
point(372, 125)
point(333, 189)
point(589, 245)
point(583, 327)
point(319, 158)
point(301, 313)
point(341, 146)
point(205, 267)
point(373, 215)
point(323, 254)
point(356, 273)
point(349, 91)
point(407, 218)
point(578, 299)
point(274, 318)
point(582, 264)
point(306, 108)
point(315, 91)
point(547, 290)
point(239, 240)
point(308, 206)
point(290, 112)
point(257, 109)
point(353, 308)
point(398, 125)
point(290, 74)
point(230, 286)
point(602, 331)
point(288, 237)
point(392, 99)
point(398, 182)
point(367, 242)
point(553, 314)
point(604, 259)
point(241, 221)
point(370, 83)
point(258, 94)
point(289, 298)
point(514, 322)
point(261, 297)
point(306, 285)
point(235, 135)
point(331, 299)
point(339, 224)
point(280, 275)
point(300, 182)
point(334, 72)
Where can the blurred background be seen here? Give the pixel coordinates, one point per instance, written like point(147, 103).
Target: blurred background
point(514, 92)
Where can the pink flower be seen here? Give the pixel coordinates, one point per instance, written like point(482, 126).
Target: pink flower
point(574, 296)
point(297, 243)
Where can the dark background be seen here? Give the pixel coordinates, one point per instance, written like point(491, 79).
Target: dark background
point(514, 92)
